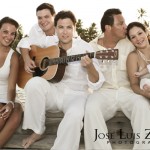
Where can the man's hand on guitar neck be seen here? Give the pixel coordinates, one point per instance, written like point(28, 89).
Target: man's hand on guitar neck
point(29, 64)
point(86, 61)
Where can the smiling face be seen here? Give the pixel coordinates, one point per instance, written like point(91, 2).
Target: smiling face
point(138, 37)
point(65, 30)
point(7, 34)
point(45, 20)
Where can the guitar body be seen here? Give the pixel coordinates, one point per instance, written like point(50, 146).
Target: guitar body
point(53, 73)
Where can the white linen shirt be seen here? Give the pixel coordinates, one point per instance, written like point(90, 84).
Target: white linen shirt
point(75, 76)
point(115, 72)
point(37, 37)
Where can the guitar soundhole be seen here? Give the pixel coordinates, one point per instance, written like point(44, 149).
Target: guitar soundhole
point(44, 63)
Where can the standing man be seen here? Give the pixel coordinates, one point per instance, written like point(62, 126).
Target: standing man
point(68, 96)
point(41, 34)
point(116, 93)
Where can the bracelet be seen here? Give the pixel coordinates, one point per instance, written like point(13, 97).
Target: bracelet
point(13, 105)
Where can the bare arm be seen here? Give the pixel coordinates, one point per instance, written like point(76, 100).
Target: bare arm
point(11, 93)
point(29, 64)
point(12, 80)
point(23, 47)
point(141, 73)
point(132, 67)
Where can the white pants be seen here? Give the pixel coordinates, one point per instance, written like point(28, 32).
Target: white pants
point(42, 96)
point(102, 105)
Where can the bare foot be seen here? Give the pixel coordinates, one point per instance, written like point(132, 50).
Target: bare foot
point(31, 139)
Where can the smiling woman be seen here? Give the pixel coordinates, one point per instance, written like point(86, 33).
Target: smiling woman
point(10, 111)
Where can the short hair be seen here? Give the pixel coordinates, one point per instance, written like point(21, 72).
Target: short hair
point(108, 17)
point(10, 21)
point(63, 15)
point(135, 24)
point(48, 6)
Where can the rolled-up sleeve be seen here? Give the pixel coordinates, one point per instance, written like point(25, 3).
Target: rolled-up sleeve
point(23, 43)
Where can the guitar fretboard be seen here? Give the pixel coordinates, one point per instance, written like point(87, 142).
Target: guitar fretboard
point(66, 59)
point(103, 55)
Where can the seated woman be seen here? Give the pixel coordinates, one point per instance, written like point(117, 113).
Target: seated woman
point(10, 112)
point(138, 61)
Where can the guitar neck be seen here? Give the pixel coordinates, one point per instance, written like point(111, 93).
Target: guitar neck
point(66, 59)
point(63, 59)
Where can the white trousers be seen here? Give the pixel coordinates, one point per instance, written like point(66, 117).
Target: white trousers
point(102, 105)
point(43, 96)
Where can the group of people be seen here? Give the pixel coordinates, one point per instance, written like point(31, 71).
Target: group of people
point(113, 86)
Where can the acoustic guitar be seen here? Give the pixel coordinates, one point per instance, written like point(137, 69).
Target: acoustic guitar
point(51, 62)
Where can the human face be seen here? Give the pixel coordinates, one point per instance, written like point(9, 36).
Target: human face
point(65, 30)
point(118, 29)
point(138, 37)
point(45, 20)
point(7, 34)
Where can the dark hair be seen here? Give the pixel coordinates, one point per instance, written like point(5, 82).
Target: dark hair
point(108, 17)
point(10, 21)
point(63, 15)
point(48, 6)
point(135, 24)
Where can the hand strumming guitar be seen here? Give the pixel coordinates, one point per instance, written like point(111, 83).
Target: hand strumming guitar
point(29, 64)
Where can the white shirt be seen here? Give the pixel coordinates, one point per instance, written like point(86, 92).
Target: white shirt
point(115, 72)
point(75, 76)
point(37, 37)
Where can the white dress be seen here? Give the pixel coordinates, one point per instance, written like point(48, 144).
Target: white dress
point(4, 74)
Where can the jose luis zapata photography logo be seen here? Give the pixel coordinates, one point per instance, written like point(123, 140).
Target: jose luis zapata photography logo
point(121, 137)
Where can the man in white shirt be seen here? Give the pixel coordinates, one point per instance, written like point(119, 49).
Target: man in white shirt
point(41, 34)
point(116, 93)
point(69, 95)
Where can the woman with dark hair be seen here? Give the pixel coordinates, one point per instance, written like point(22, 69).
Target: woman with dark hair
point(10, 112)
point(138, 62)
